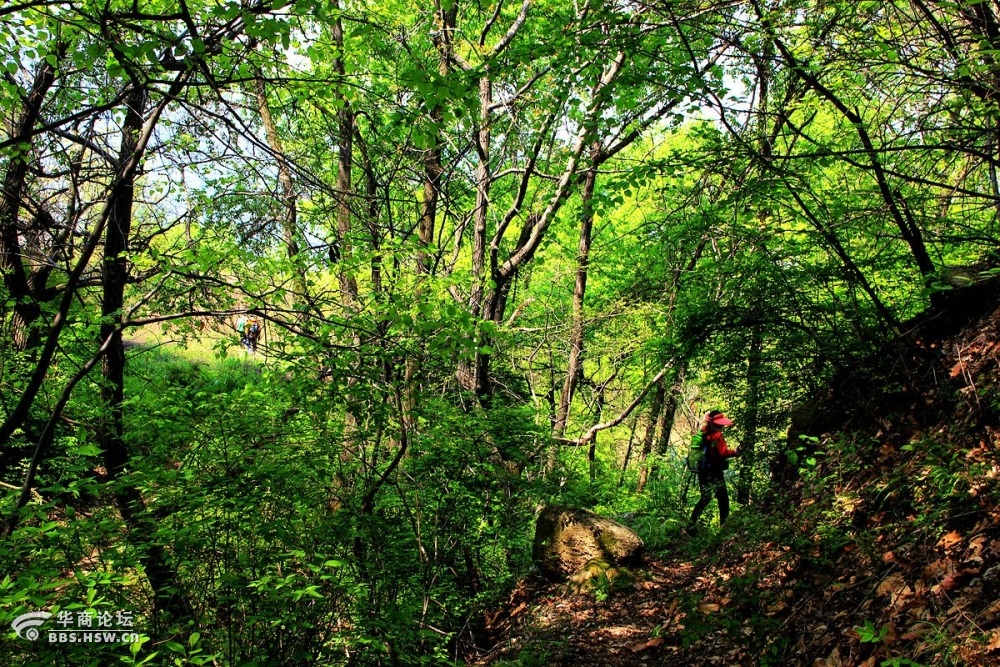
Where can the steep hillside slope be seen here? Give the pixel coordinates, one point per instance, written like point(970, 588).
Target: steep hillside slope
point(883, 547)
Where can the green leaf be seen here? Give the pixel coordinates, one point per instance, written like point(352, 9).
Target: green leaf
point(175, 647)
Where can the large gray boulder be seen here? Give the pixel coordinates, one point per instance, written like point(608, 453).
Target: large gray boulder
point(567, 538)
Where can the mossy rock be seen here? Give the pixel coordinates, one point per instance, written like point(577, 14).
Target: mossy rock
point(568, 538)
point(600, 575)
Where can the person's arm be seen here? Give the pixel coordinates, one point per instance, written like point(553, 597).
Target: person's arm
point(723, 448)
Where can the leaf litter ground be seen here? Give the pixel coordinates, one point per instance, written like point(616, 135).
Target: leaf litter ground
point(887, 553)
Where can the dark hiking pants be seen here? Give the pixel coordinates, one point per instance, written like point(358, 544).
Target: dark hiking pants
point(712, 483)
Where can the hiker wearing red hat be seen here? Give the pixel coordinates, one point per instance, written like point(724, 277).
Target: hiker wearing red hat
point(710, 473)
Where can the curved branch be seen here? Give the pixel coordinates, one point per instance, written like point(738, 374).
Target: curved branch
point(597, 428)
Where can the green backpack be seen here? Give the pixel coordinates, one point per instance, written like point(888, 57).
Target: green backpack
point(696, 455)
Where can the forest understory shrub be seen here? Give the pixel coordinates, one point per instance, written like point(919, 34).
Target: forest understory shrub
point(238, 488)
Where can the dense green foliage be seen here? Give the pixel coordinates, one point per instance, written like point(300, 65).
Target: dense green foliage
point(502, 252)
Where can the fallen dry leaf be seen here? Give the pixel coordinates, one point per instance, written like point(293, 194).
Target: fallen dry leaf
point(950, 539)
point(933, 570)
point(891, 635)
point(916, 631)
point(832, 660)
point(992, 612)
point(949, 582)
point(779, 606)
point(892, 584)
point(642, 646)
point(977, 545)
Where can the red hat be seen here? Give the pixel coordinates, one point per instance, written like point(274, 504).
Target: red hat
point(720, 419)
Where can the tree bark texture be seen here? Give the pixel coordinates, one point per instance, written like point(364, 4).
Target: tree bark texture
point(289, 223)
point(345, 166)
point(653, 420)
point(141, 532)
point(12, 261)
point(575, 362)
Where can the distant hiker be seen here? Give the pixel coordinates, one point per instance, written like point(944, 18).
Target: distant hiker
point(252, 335)
point(710, 470)
point(241, 331)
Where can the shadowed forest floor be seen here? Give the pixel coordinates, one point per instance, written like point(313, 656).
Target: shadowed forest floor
point(883, 550)
point(742, 604)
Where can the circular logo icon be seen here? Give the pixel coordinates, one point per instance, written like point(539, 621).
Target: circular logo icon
point(26, 625)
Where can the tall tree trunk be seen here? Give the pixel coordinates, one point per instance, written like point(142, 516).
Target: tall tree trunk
point(536, 225)
point(658, 436)
point(428, 208)
point(666, 422)
point(479, 214)
point(162, 579)
point(353, 447)
point(372, 215)
point(653, 420)
point(289, 224)
point(445, 17)
point(478, 371)
point(592, 450)
point(628, 452)
point(476, 375)
point(19, 413)
point(755, 354)
point(26, 308)
point(574, 364)
point(670, 409)
point(992, 144)
point(345, 164)
point(748, 445)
